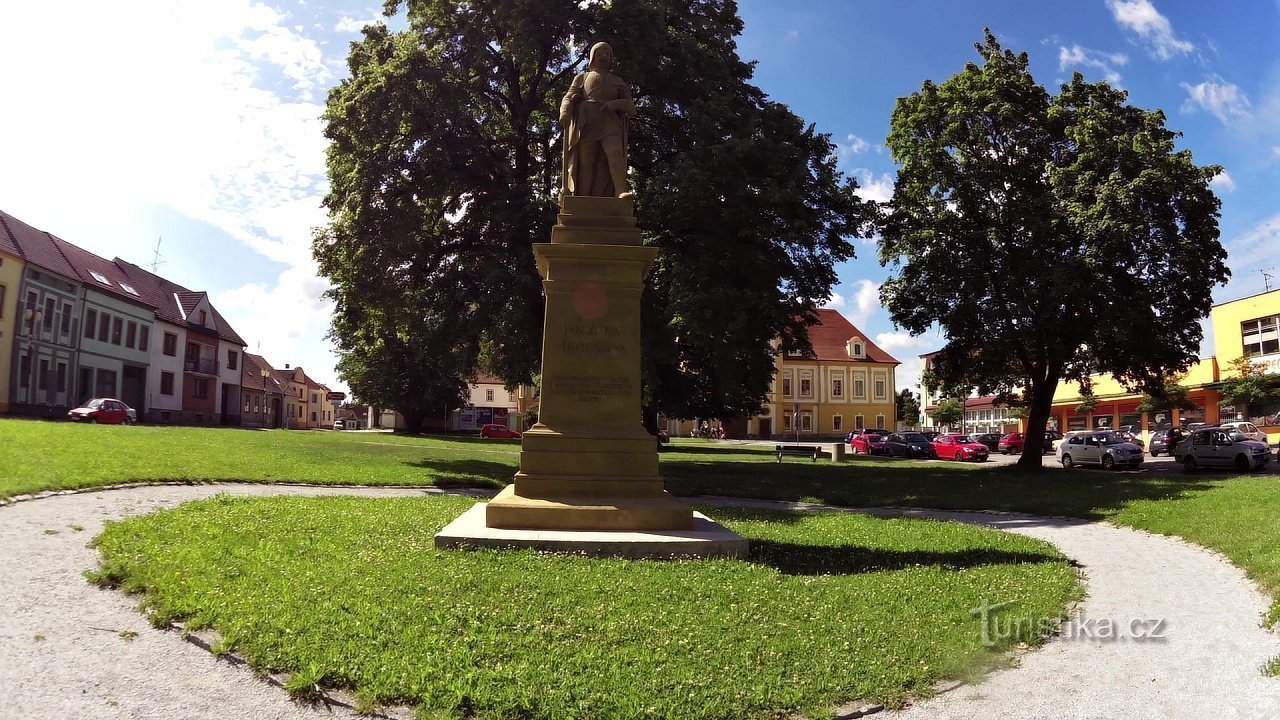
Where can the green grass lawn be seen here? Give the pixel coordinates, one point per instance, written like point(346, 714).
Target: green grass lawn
point(350, 592)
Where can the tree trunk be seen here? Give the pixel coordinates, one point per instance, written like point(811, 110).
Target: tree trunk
point(413, 420)
point(1037, 418)
point(649, 417)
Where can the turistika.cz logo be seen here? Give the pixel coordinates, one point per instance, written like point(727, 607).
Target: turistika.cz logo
point(998, 628)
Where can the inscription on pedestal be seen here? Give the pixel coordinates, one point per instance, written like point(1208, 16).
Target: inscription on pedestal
point(590, 388)
point(593, 338)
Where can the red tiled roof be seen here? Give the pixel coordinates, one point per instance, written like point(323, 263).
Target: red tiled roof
point(35, 246)
point(251, 374)
point(168, 299)
point(85, 264)
point(831, 335)
point(483, 379)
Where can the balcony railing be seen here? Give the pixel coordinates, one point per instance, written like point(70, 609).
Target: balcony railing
point(201, 365)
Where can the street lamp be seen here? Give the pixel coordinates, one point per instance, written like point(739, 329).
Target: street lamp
point(265, 373)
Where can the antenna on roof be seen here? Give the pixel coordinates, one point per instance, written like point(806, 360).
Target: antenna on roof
point(1266, 279)
point(156, 261)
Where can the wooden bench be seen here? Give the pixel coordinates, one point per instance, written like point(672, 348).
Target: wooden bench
point(810, 451)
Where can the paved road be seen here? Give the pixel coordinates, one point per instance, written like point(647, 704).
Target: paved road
point(62, 654)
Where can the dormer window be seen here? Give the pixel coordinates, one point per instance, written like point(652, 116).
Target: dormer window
point(100, 277)
point(202, 318)
point(855, 348)
point(128, 288)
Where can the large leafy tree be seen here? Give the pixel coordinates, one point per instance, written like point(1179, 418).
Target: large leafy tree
point(1052, 237)
point(1249, 383)
point(444, 166)
point(907, 406)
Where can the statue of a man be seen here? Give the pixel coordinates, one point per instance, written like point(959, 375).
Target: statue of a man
point(594, 116)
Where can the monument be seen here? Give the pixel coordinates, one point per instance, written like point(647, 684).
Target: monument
point(588, 478)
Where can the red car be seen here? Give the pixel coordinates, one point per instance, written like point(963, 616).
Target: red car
point(954, 446)
point(1013, 443)
point(868, 442)
point(107, 411)
point(498, 431)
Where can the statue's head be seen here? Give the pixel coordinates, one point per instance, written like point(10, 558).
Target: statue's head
point(601, 57)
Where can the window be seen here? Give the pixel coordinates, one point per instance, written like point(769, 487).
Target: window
point(131, 335)
point(880, 389)
point(47, 320)
point(128, 288)
point(1, 301)
point(66, 317)
point(806, 387)
point(786, 387)
point(203, 318)
point(246, 404)
point(104, 327)
point(857, 349)
point(166, 383)
point(511, 397)
point(255, 403)
point(144, 337)
point(117, 328)
point(90, 322)
point(786, 421)
point(231, 359)
point(106, 383)
point(24, 371)
point(837, 388)
point(488, 396)
point(859, 388)
point(200, 390)
point(100, 277)
point(170, 344)
point(42, 380)
point(86, 383)
point(313, 416)
point(858, 422)
point(62, 377)
point(836, 423)
point(806, 422)
point(1261, 336)
point(879, 421)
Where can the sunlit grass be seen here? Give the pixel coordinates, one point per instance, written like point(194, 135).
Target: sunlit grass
point(346, 592)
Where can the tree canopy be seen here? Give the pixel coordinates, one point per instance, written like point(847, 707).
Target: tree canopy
point(907, 406)
point(444, 169)
point(1249, 383)
point(1051, 236)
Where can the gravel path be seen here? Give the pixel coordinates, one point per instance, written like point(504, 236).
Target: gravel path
point(62, 654)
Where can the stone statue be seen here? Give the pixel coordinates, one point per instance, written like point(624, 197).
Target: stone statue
point(594, 116)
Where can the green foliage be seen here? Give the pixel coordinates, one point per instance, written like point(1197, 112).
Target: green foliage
point(1249, 383)
point(948, 412)
point(1088, 402)
point(349, 592)
point(907, 406)
point(1046, 234)
point(444, 164)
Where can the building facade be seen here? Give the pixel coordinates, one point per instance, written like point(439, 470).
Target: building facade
point(262, 396)
point(11, 273)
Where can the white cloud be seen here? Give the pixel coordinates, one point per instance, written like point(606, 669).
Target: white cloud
point(835, 302)
point(208, 109)
point(1224, 100)
point(907, 349)
point(1142, 17)
point(871, 187)
point(285, 323)
point(866, 300)
point(350, 24)
point(1276, 151)
point(1106, 63)
point(1223, 181)
point(791, 36)
point(854, 145)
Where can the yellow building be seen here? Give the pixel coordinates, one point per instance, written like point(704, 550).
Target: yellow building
point(1248, 327)
point(847, 383)
point(11, 265)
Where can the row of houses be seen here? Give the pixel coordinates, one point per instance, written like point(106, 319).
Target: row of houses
point(75, 326)
point(846, 383)
point(1247, 327)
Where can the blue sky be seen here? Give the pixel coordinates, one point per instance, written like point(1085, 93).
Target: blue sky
point(198, 124)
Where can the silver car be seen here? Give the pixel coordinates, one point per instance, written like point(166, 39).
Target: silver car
point(1222, 447)
point(1104, 447)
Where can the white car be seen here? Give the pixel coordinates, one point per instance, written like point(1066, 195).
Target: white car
point(1248, 429)
point(1102, 447)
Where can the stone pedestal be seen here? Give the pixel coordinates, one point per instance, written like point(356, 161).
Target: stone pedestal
point(589, 464)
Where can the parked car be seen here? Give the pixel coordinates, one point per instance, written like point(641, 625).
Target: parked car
point(1013, 443)
point(930, 434)
point(1222, 447)
point(1248, 429)
point(108, 411)
point(909, 445)
point(1100, 447)
point(954, 446)
point(1132, 437)
point(1165, 440)
point(990, 439)
point(867, 442)
point(498, 431)
point(339, 424)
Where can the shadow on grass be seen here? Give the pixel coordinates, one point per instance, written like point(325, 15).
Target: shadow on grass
point(1049, 492)
point(466, 473)
point(797, 559)
point(684, 449)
